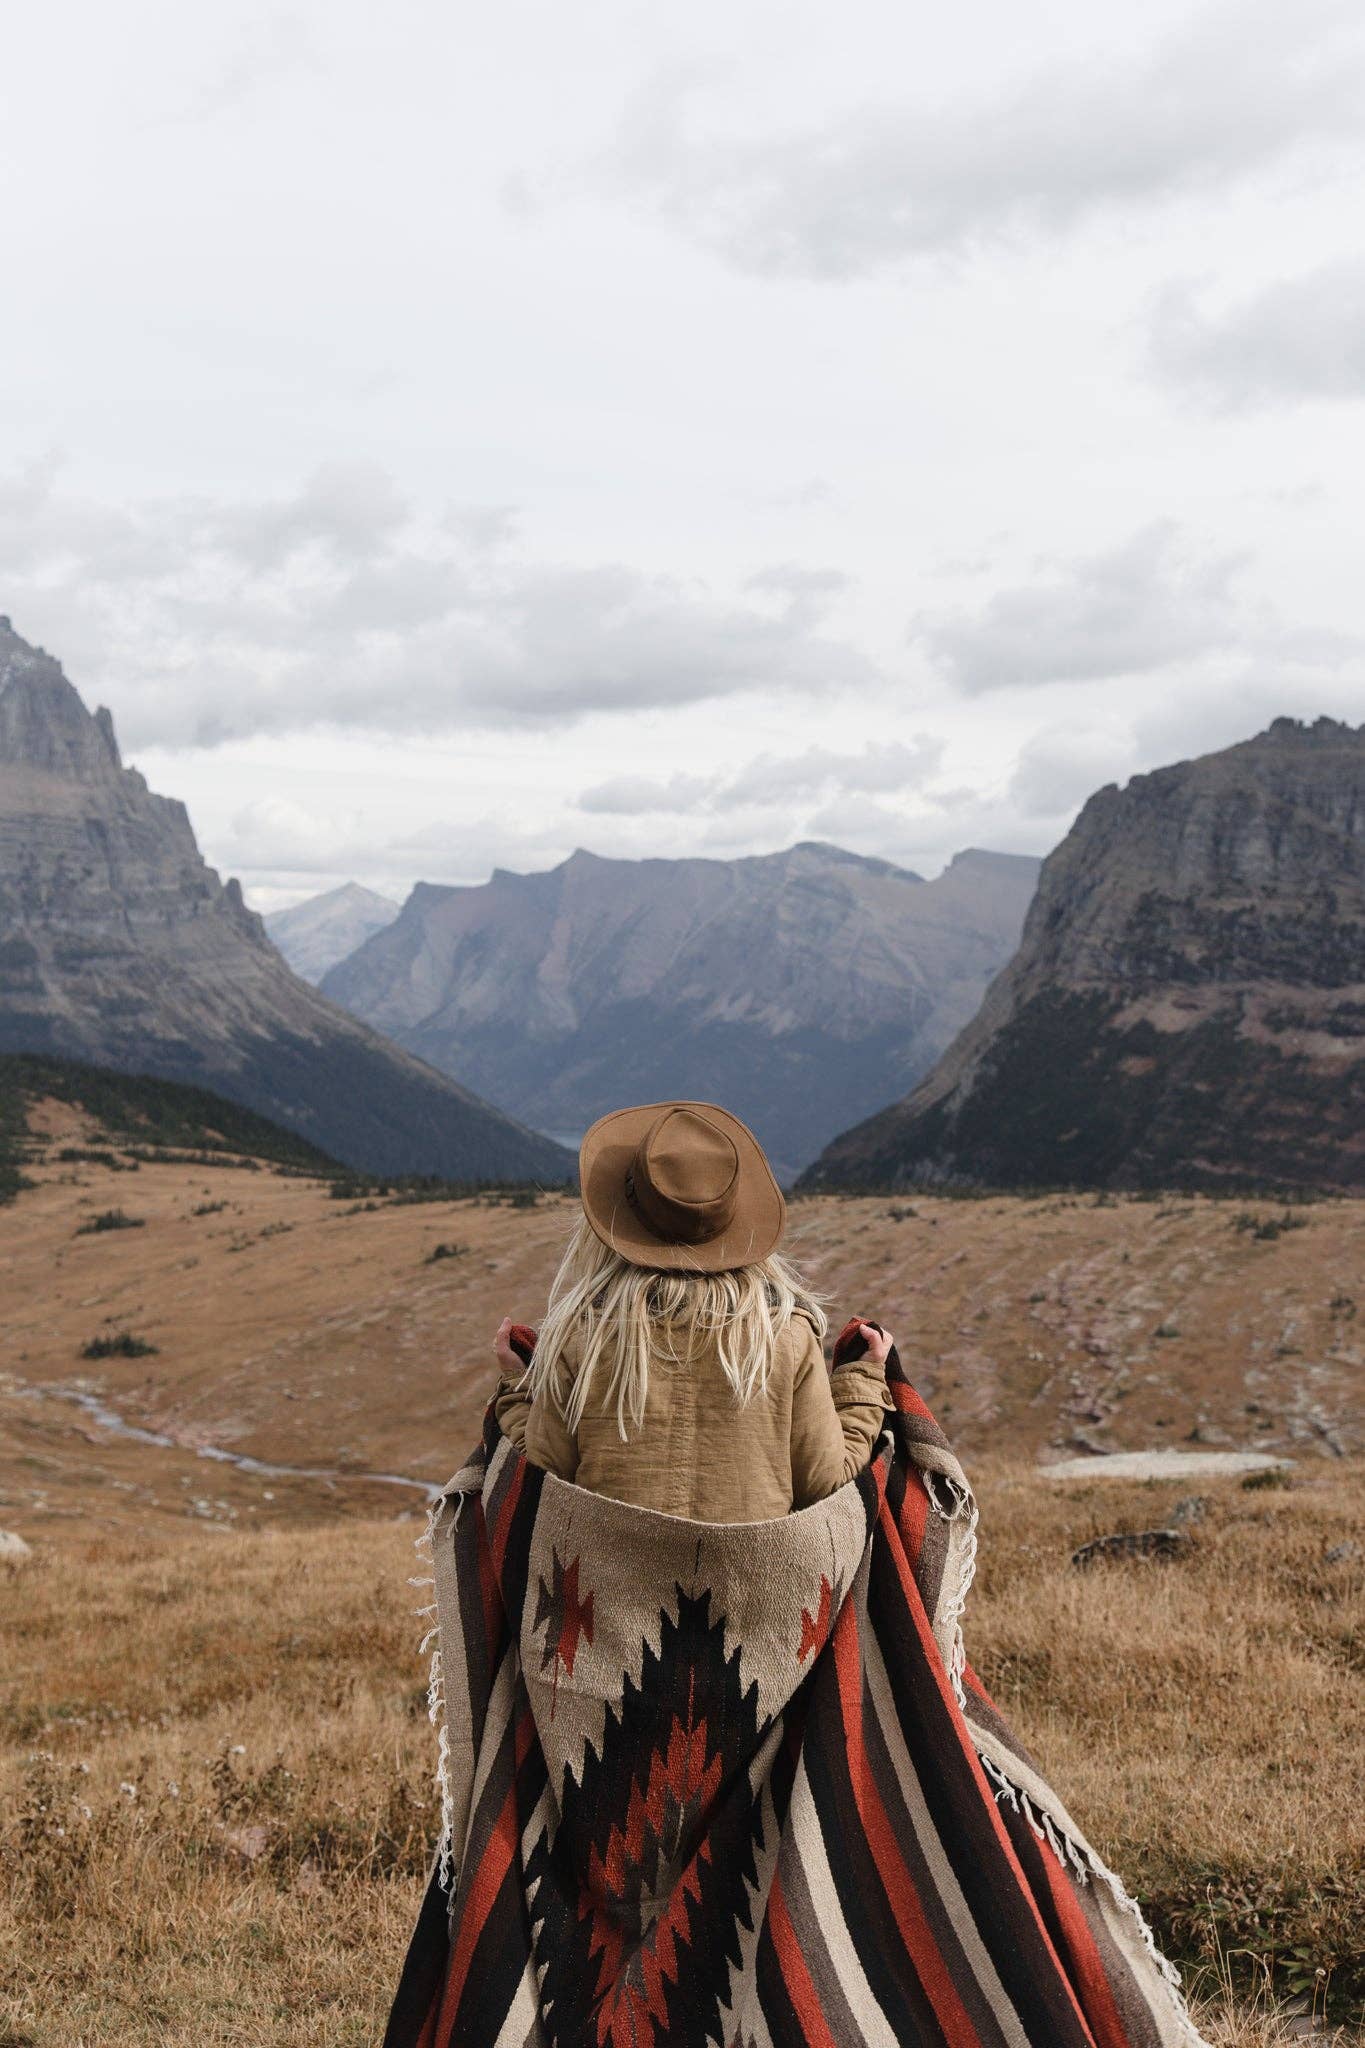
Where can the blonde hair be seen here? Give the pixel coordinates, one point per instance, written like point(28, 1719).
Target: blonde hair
point(616, 1314)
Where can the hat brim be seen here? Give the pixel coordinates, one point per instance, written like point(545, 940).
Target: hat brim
point(608, 1149)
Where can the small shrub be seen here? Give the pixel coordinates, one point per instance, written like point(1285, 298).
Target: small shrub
point(124, 1345)
point(208, 1208)
point(110, 1219)
point(444, 1251)
point(1265, 1229)
point(1272, 1479)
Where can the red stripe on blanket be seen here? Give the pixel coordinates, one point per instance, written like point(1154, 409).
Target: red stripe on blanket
point(908, 1401)
point(505, 1514)
point(899, 1886)
point(934, 1664)
point(480, 1892)
point(801, 1989)
point(1087, 1972)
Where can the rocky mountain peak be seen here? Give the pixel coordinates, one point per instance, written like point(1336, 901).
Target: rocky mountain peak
point(798, 986)
point(43, 723)
point(122, 948)
point(1187, 1004)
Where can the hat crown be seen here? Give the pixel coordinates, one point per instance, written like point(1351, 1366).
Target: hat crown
point(684, 1178)
point(689, 1159)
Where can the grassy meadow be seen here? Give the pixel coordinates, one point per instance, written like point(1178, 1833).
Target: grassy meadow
point(215, 1761)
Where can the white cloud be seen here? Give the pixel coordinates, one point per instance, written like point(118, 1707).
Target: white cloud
point(1297, 338)
point(1140, 607)
point(1238, 90)
point(774, 780)
point(209, 620)
point(1062, 765)
point(636, 796)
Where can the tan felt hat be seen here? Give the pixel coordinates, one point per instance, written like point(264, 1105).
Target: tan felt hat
point(680, 1185)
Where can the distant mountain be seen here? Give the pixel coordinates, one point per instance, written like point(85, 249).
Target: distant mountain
point(1187, 1004)
point(315, 934)
point(802, 989)
point(119, 946)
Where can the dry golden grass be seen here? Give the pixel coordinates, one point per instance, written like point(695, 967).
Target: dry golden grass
point(313, 1332)
point(216, 1762)
point(1204, 1718)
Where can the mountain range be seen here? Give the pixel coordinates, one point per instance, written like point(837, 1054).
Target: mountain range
point(121, 947)
point(1187, 1004)
point(803, 988)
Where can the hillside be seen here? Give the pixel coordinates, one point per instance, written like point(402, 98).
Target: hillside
point(1187, 1004)
point(142, 1115)
point(802, 989)
point(332, 1332)
point(120, 947)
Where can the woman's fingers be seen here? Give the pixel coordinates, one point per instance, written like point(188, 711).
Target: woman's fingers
point(502, 1345)
point(879, 1342)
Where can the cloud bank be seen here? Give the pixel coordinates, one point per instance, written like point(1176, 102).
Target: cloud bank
point(1234, 94)
point(338, 605)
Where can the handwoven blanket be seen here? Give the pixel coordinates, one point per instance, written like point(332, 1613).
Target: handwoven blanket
point(735, 1784)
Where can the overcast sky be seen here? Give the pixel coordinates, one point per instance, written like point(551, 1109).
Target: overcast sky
point(449, 436)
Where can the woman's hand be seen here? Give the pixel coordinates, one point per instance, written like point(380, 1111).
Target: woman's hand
point(878, 1342)
point(511, 1366)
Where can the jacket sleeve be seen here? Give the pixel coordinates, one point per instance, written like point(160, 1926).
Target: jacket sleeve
point(835, 1420)
point(536, 1427)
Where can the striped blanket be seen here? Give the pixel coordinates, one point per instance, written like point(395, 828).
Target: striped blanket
point(735, 1784)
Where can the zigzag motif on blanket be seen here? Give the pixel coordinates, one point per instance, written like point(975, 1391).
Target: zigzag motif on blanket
point(664, 1848)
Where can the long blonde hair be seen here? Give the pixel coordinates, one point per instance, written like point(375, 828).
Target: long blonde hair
point(616, 1315)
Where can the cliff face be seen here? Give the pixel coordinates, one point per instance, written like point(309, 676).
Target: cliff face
point(801, 988)
point(121, 947)
point(1187, 1004)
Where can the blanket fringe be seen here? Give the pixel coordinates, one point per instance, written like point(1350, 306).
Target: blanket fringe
point(1087, 1864)
point(963, 1509)
point(436, 1698)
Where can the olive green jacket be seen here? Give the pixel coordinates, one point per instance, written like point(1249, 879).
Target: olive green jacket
point(698, 1453)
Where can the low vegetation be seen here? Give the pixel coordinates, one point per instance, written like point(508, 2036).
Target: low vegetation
point(444, 1251)
point(123, 1345)
point(109, 1219)
point(215, 1762)
point(145, 1117)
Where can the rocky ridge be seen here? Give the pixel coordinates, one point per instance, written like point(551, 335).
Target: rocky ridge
point(121, 947)
point(1187, 1004)
point(802, 988)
